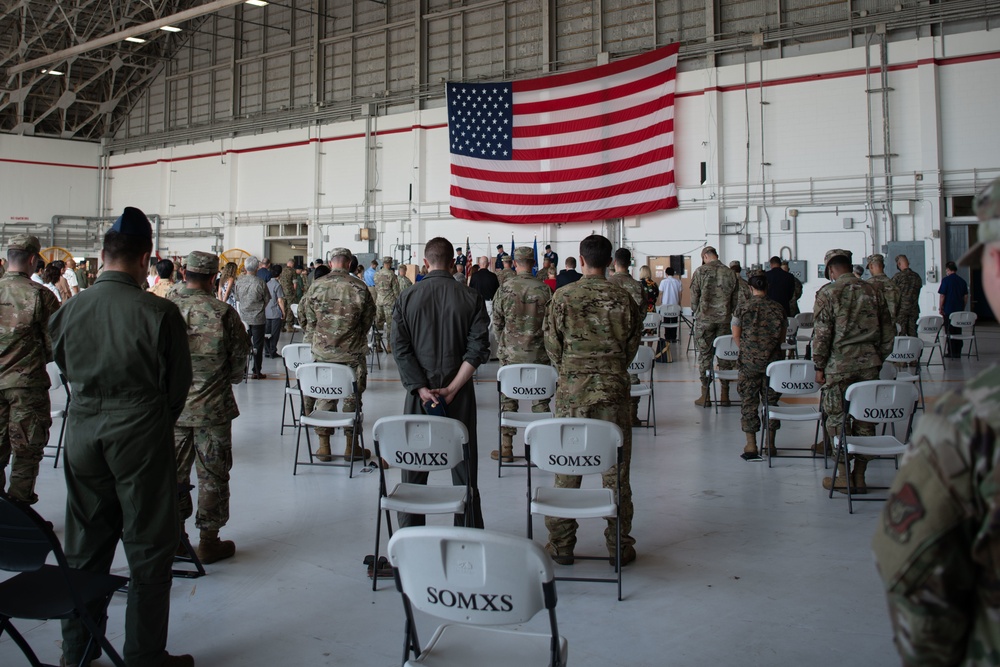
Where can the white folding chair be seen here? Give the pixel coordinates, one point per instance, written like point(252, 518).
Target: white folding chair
point(642, 366)
point(330, 382)
point(57, 381)
point(804, 332)
point(907, 350)
point(794, 377)
point(790, 343)
point(690, 325)
point(651, 329)
point(535, 382)
point(884, 402)
point(576, 446)
point(420, 443)
point(966, 320)
point(295, 325)
point(725, 350)
point(293, 355)
point(481, 583)
point(930, 326)
point(671, 321)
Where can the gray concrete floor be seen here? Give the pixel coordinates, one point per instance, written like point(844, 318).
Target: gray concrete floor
point(738, 564)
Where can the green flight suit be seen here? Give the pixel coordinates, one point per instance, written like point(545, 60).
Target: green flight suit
point(125, 355)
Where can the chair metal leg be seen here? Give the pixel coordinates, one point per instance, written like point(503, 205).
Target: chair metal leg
point(59, 444)
point(652, 404)
point(618, 551)
point(21, 643)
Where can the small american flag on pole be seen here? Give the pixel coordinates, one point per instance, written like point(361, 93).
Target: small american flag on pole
point(573, 147)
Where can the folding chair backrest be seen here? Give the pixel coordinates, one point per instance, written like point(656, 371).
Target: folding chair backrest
point(421, 442)
point(573, 446)
point(881, 401)
point(792, 328)
point(725, 348)
point(295, 310)
point(527, 381)
point(55, 377)
point(670, 310)
point(471, 576)
point(929, 325)
point(887, 372)
point(643, 361)
point(792, 377)
point(805, 320)
point(905, 349)
point(24, 544)
point(963, 318)
point(329, 381)
point(651, 321)
point(296, 354)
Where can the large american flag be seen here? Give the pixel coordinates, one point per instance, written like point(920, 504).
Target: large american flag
point(574, 147)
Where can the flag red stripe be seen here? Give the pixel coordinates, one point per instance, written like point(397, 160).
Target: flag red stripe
point(597, 96)
point(549, 129)
point(637, 185)
point(593, 171)
point(573, 216)
point(579, 76)
point(617, 141)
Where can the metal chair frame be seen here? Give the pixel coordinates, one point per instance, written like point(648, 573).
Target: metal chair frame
point(315, 418)
point(519, 420)
point(723, 348)
point(804, 384)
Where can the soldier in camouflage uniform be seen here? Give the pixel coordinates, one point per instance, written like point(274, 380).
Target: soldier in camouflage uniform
point(403, 281)
point(506, 272)
point(624, 279)
point(885, 284)
point(518, 315)
point(759, 326)
point(909, 285)
point(203, 434)
point(714, 297)
point(937, 541)
point(386, 293)
point(25, 348)
point(336, 314)
point(743, 286)
point(287, 282)
point(592, 332)
point(852, 336)
point(793, 305)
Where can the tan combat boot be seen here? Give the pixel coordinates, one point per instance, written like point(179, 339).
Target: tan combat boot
point(211, 549)
point(507, 447)
point(841, 485)
point(704, 401)
point(359, 453)
point(858, 484)
point(724, 395)
point(323, 451)
point(750, 452)
point(772, 450)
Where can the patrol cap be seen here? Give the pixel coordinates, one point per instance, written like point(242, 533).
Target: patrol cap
point(387, 260)
point(524, 254)
point(133, 222)
point(876, 259)
point(987, 206)
point(202, 262)
point(505, 258)
point(755, 272)
point(25, 243)
point(735, 265)
point(830, 254)
point(784, 262)
point(339, 252)
point(710, 249)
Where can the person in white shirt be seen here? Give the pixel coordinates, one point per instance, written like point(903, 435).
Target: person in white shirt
point(37, 275)
point(670, 289)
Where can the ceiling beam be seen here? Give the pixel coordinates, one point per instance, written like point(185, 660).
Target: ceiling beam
point(134, 31)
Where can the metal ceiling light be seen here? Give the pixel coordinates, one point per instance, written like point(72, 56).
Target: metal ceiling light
point(169, 28)
point(257, 3)
point(135, 40)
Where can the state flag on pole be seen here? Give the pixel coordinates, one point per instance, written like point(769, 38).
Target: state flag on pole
point(573, 147)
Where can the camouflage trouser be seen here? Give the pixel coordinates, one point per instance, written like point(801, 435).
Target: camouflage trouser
point(25, 419)
point(562, 532)
point(510, 405)
point(634, 380)
point(907, 322)
point(750, 387)
point(832, 400)
point(384, 318)
point(705, 334)
point(360, 375)
point(210, 450)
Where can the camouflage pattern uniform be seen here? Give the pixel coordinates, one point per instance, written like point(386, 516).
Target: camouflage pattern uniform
point(386, 292)
point(852, 336)
point(287, 282)
point(793, 305)
point(203, 433)
point(714, 297)
point(25, 348)
point(336, 314)
point(404, 283)
point(592, 332)
point(624, 280)
point(763, 327)
point(909, 285)
point(518, 315)
point(504, 274)
point(890, 293)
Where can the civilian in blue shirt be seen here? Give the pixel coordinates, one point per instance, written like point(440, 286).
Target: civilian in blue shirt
point(954, 298)
point(264, 272)
point(370, 274)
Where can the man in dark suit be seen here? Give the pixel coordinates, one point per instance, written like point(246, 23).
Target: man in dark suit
point(569, 274)
point(780, 285)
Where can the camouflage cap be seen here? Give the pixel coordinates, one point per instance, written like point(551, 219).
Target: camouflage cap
point(755, 272)
point(505, 258)
point(524, 254)
point(710, 249)
point(25, 242)
point(202, 262)
point(987, 207)
point(387, 260)
point(875, 259)
point(735, 265)
point(830, 254)
point(338, 252)
point(784, 262)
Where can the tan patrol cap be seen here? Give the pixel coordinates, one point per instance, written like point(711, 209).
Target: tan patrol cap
point(202, 262)
point(387, 260)
point(506, 259)
point(524, 254)
point(25, 243)
point(735, 265)
point(340, 252)
point(710, 249)
point(830, 254)
point(987, 207)
point(876, 259)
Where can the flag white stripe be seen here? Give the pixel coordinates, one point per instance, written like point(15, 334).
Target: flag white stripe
point(598, 84)
point(508, 210)
point(566, 187)
point(559, 164)
point(595, 134)
point(590, 110)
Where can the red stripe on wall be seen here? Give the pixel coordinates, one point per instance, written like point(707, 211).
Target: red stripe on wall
point(47, 164)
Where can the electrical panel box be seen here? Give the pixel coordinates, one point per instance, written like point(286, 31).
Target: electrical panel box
point(786, 225)
point(914, 251)
point(365, 258)
point(797, 267)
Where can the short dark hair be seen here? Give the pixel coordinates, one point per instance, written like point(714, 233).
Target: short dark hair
point(321, 271)
point(596, 251)
point(623, 257)
point(354, 264)
point(195, 277)
point(374, 263)
point(571, 262)
point(125, 247)
point(951, 266)
point(276, 270)
point(758, 281)
point(39, 264)
point(500, 247)
point(439, 251)
point(670, 271)
point(164, 268)
point(842, 261)
point(15, 256)
point(775, 261)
